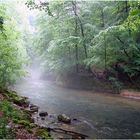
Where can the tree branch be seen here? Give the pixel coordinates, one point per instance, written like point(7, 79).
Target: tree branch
point(118, 38)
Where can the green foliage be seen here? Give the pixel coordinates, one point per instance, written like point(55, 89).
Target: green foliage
point(11, 114)
point(11, 58)
point(43, 133)
point(116, 85)
point(8, 112)
point(42, 6)
point(57, 39)
point(97, 34)
point(5, 132)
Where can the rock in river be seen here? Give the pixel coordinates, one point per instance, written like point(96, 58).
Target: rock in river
point(64, 118)
point(43, 114)
point(20, 101)
point(33, 108)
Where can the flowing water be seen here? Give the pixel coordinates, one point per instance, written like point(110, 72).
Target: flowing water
point(98, 115)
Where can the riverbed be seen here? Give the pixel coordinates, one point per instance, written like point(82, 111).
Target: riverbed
point(98, 115)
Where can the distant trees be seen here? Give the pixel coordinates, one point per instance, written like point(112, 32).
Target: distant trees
point(100, 34)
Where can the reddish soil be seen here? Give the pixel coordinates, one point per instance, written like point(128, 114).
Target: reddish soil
point(24, 134)
point(130, 94)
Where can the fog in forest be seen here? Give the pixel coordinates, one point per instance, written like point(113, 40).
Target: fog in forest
point(69, 69)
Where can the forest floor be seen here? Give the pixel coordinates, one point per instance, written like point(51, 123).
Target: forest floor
point(16, 121)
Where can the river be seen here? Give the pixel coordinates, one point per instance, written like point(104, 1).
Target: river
point(99, 115)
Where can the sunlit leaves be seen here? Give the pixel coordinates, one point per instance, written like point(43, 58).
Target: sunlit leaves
point(42, 6)
point(10, 51)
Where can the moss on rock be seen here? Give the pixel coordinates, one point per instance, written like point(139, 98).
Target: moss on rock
point(43, 133)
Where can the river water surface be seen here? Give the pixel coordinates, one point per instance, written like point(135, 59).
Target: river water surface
point(98, 115)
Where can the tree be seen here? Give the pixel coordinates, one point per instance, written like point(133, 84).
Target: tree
point(98, 34)
point(11, 58)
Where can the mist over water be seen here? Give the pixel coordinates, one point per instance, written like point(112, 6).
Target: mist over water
point(100, 115)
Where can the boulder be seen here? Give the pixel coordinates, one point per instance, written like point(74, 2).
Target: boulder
point(43, 114)
point(21, 102)
point(64, 118)
point(75, 119)
point(26, 103)
point(33, 108)
point(42, 118)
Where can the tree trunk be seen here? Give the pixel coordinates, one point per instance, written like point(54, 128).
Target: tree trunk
point(76, 34)
point(105, 53)
point(102, 18)
point(105, 50)
point(81, 27)
point(126, 6)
